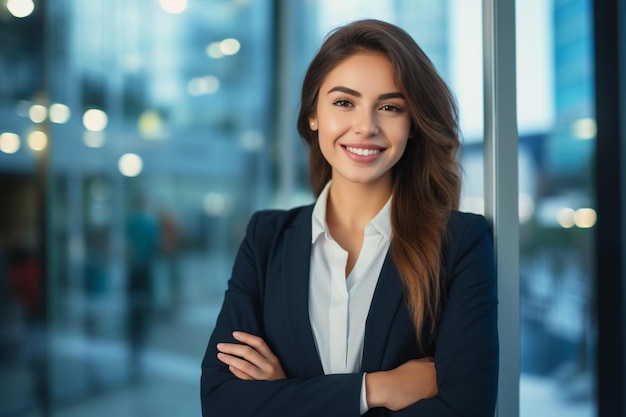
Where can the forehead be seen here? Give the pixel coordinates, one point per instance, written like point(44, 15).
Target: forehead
point(363, 72)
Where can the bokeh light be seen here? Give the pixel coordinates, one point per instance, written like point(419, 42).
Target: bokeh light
point(59, 113)
point(20, 8)
point(230, 46)
point(203, 85)
point(130, 165)
point(37, 113)
point(174, 6)
point(37, 140)
point(214, 204)
point(214, 50)
point(565, 217)
point(95, 120)
point(9, 142)
point(94, 139)
point(585, 218)
point(584, 128)
point(150, 124)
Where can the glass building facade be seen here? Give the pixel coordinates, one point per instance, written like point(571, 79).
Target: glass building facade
point(558, 316)
point(138, 136)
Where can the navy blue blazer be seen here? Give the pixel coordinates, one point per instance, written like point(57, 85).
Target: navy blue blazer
point(267, 296)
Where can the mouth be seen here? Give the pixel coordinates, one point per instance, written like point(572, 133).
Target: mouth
point(363, 151)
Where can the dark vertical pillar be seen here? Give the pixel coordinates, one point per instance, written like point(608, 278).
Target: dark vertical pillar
point(610, 76)
point(43, 207)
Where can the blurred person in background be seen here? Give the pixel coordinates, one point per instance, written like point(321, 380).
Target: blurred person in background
point(24, 274)
point(143, 237)
point(169, 246)
point(379, 297)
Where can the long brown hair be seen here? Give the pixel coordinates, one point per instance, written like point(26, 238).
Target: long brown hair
point(426, 179)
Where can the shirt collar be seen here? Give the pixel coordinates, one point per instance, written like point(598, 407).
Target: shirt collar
point(319, 215)
point(381, 223)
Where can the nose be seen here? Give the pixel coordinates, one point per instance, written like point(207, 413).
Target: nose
point(366, 124)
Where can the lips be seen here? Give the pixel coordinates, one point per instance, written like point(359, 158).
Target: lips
point(362, 151)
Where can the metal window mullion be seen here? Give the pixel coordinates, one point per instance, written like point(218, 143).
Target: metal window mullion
point(501, 187)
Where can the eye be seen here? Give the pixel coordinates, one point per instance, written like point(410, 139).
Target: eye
point(390, 107)
point(342, 102)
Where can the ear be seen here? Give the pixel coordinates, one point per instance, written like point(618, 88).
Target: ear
point(313, 123)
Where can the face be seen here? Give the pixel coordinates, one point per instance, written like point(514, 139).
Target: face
point(362, 119)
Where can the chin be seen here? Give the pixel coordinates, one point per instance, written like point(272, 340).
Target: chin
point(363, 179)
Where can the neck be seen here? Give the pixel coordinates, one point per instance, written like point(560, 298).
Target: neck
point(353, 206)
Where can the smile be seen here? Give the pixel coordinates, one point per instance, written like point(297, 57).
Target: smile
point(361, 151)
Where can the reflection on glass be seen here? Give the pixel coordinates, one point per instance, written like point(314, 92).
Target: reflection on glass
point(556, 255)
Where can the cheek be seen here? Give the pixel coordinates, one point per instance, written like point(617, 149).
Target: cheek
point(327, 146)
point(330, 129)
point(333, 124)
point(401, 147)
point(401, 139)
point(401, 136)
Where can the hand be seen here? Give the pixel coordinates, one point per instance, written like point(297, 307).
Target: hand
point(251, 360)
point(400, 387)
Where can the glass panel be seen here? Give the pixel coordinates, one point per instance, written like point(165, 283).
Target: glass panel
point(557, 132)
point(159, 122)
point(153, 175)
point(23, 152)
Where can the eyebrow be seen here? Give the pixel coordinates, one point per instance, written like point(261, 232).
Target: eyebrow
point(355, 93)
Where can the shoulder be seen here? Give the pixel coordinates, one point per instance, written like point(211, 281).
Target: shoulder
point(460, 224)
point(266, 225)
point(467, 233)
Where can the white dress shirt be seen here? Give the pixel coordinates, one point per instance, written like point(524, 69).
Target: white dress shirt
point(338, 305)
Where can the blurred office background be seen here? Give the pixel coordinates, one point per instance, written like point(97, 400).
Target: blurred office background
point(138, 136)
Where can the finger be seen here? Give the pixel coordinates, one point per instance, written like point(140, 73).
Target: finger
point(242, 351)
point(256, 342)
point(267, 367)
point(242, 365)
point(270, 363)
point(239, 374)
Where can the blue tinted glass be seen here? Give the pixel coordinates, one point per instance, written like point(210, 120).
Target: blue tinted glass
point(558, 328)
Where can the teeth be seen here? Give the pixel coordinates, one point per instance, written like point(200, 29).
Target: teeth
point(363, 152)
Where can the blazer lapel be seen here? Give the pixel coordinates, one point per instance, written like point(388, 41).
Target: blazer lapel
point(385, 303)
point(295, 276)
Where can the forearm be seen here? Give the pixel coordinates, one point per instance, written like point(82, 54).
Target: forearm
point(327, 395)
point(375, 390)
point(402, 386)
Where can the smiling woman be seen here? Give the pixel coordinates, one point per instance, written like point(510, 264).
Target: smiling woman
point(363, 126)
point(380, 296)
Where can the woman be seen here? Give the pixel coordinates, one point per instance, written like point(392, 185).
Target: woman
point(379, 298)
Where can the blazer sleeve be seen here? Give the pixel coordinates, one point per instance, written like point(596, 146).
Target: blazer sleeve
point(222, 394)
point(466, 356)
